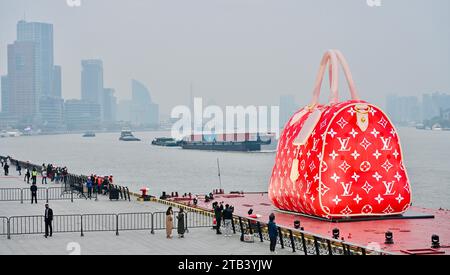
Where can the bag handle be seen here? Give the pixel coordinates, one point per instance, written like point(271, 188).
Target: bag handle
point(329, 59)
point(348, 75)
point(333, 58)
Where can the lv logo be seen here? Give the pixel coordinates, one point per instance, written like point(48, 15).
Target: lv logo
point(389, 187)
point(347, 188)
point(386, 143)
point(344, 144)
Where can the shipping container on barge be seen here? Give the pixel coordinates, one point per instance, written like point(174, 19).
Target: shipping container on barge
point(238, 142)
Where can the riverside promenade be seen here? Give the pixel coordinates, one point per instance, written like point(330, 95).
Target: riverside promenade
point(100, 237)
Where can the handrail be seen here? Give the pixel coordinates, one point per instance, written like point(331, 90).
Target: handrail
point(302, 235)
point(76, 182)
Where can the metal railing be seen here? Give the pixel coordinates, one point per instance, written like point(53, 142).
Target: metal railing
point(304, 242)
point(301, 241)
point(4, 226)
point(75, 183)
point(100, 223)
point(43, 194)
point(135, 221)
point(146, 221)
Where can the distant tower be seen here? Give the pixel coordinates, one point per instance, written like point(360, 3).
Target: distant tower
point(22, 96)
point(42, 36)
point(92, 81)
point(144, 111)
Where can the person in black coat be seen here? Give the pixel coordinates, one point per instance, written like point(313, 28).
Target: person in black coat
point(6, 168)
point(48, 218)
point(33, 190)
point(218, 216)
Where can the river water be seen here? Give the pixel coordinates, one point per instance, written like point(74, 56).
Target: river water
point(138, 164)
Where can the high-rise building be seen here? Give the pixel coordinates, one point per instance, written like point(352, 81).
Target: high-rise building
point(82, 115)
point(42, 36)
point(144, 111)
point(56, 82)
point(92, 81)
point(51, 110)
point(109, 106)
point(287, 108)
point(432, 104)
point(403, 109)
point(124, 111)
point(5, 93)
point(22, 97)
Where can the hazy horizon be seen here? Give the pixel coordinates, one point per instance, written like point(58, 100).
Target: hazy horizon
point(242, 52)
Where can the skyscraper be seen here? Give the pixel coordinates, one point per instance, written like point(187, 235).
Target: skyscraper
point(403, 110)
point(144, 111)
point(56, 82)
point(42, 36)
point(5, 93)
point(51, 110)
point(124, 110)
point(432, 104)
point(82, 115)
point(92, 81)
point(109, 106)
point(22, 99)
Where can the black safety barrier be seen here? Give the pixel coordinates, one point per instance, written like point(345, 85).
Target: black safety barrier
point(43, 194)
point(135, 221)
point(100, 223)
point(3, 226)
point(70, 182)
point(302, 241)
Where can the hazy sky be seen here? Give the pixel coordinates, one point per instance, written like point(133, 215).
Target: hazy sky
point(243, 51)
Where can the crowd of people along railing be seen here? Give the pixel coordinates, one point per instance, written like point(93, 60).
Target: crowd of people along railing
point(73, 183)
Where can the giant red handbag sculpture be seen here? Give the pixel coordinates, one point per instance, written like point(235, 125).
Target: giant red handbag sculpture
point(340, 160)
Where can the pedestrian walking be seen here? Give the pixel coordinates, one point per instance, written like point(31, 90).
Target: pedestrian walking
point(89, 186)
point(273, 232)
point(227, 220)
point(6, 168)
point(180, 226)
point(44, 176)
point(218, 217)
point(34, 175)
point(169, 223)
point(33, 190)
point(27, 175)
point(48, 218)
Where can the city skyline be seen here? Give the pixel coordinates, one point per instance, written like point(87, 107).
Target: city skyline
point(31, 91)
point(240, 61)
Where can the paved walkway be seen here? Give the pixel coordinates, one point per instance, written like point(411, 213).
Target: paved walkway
point(199, 241)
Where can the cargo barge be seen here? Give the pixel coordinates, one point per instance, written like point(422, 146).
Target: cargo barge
point(236, 142)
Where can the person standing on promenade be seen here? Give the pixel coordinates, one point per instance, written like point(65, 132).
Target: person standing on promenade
point(48, 218)
point(6, 168)
point(19, 169)
point(273, 232)
point(44, 176)
point(218, 217)
point(34, 175)
point(33, 190)
point(27, 175)
point(169, 223)
point(180, 226)
point(89, 186)
point(227, 217)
